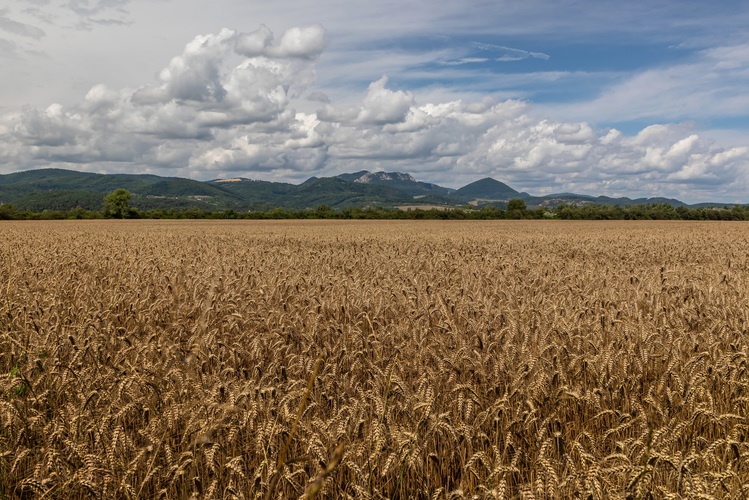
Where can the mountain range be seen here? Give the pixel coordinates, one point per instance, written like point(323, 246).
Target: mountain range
point(59, 189)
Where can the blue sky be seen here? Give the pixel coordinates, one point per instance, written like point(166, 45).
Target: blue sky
point(639, 98)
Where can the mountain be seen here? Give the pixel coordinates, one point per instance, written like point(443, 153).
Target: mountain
point(403, 182)
point(58, 189)
point(339, 193)
point(488, 189)
point(257, 192)
point(55, 179)
point(553, 200)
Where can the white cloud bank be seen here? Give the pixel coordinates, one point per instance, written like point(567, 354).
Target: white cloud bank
point(228, 106)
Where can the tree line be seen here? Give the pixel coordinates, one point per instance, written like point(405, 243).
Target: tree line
point(117, 206)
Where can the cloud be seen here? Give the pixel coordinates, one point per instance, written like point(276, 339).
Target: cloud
point(465, 60)
point(453, 145)
point(229, 104)
point(306, 42)
point(382, 105)
point(109, 22)
point(222, 90)
point(22, 29)
point(90, 12)
point(712, 84)
point(511, 54)
point(206, 107)
point(318, 96)
point(93, 7)
point(196, 74)
point(40, 14)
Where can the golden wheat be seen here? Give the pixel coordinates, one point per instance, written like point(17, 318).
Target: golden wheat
point(538, 359)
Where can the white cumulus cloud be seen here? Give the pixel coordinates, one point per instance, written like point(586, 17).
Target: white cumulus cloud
point(236, 103)
point(305, 42)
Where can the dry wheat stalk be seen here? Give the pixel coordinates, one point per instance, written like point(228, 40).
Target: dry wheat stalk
point(484, 360)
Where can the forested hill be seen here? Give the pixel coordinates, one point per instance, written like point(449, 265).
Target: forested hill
point(58, 189)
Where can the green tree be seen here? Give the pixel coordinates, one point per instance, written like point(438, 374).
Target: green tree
point(324, 212)
point(516, 205)
point(117, 203)
point(7, 212)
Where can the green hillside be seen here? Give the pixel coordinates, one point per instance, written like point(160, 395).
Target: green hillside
point(487, 189)
point(59, 189)
point(398, 180)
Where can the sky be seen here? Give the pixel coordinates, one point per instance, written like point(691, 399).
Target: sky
point(637, 98)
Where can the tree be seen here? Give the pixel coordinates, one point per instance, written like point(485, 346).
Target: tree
point(117, 203)
point(324, 212)
point(7, 212)
point(516, 205)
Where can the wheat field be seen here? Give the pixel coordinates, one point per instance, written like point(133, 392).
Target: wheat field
point(374, 359)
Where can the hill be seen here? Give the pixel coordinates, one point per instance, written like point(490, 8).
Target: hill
point(59, 189)
point(487, 189)
point(403, 182)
